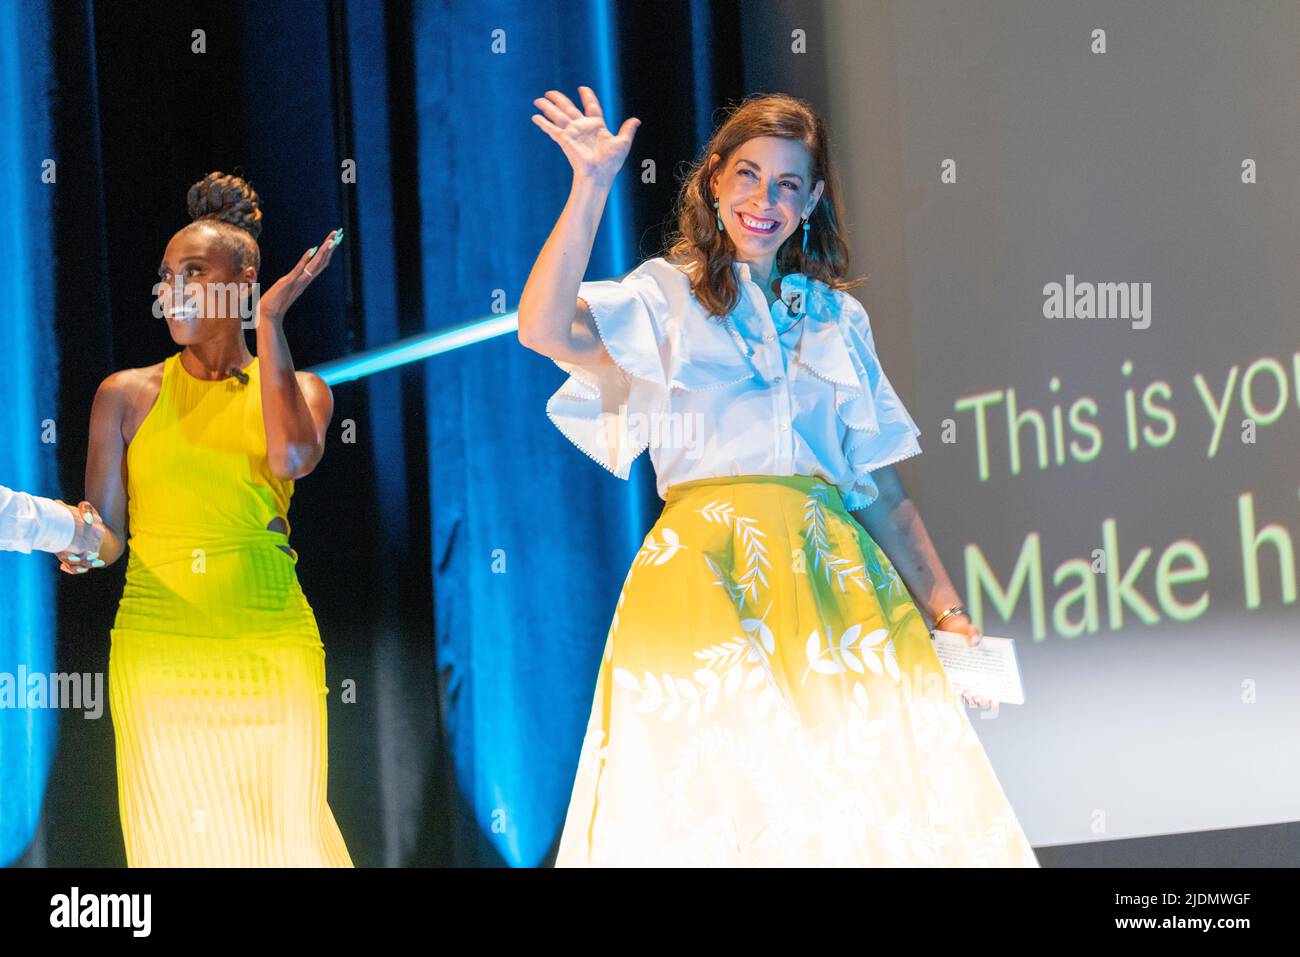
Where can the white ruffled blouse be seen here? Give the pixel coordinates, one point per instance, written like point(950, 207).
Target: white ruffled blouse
point(760, 392)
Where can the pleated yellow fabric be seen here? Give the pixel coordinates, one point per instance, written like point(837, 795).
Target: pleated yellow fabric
point(769, 695)
point(216, 669)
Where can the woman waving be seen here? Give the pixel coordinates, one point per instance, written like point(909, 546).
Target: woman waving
point(769, 693)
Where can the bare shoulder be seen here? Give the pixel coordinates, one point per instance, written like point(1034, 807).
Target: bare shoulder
point(129, 394)
point(127, 384)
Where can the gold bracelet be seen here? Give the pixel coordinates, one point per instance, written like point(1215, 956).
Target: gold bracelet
point(948, 613)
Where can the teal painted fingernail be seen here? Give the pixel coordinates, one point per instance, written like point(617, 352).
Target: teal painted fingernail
point(92, 555)
point(74, 556)
point(88, 517)
point(311, 252)
point(83, 568)
point(338, 238)
point(98, 563)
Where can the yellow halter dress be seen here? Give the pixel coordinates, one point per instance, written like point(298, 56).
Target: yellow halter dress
point(216, 670)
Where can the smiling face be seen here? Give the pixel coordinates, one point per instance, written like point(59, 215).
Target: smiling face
point(764, 192)
point(214, 287)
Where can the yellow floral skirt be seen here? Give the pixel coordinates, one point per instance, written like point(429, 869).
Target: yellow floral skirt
point(222, 751)
point(769, 695)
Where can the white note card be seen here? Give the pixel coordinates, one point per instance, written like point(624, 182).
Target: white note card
point(990, 669)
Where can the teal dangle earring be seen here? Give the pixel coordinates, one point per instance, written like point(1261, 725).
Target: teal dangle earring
point(806, 228)
point(718, 215)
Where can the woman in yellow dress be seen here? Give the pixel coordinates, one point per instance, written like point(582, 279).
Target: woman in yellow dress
point(216, 668)
point(769, 693)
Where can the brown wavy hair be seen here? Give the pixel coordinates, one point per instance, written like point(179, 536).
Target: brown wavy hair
point(697, 241)
point(230, 206)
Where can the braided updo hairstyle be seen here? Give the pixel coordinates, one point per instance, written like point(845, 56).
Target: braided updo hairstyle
point(229, 206)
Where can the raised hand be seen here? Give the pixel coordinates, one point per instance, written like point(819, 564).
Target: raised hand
point(593, 151)
point(275, 302)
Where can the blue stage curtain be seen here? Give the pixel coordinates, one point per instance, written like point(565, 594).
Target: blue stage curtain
point(531, 539)
point(27, 458)
point(383, 218)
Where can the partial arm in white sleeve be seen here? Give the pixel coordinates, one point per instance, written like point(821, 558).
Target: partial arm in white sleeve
point(31, 523)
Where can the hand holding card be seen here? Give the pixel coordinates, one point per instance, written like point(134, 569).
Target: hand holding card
point(990, 669)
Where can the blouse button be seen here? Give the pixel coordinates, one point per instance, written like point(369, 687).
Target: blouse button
point(769, 337)
point(779, 379)
point(785, 426)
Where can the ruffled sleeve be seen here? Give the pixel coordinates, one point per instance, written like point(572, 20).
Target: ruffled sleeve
point(880, 430)
point(607, 410)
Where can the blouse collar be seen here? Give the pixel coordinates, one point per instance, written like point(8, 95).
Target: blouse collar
point(823, 349)
point(825, 345)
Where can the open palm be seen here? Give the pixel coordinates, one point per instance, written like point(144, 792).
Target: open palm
point(275, 302)
point(593, 151)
